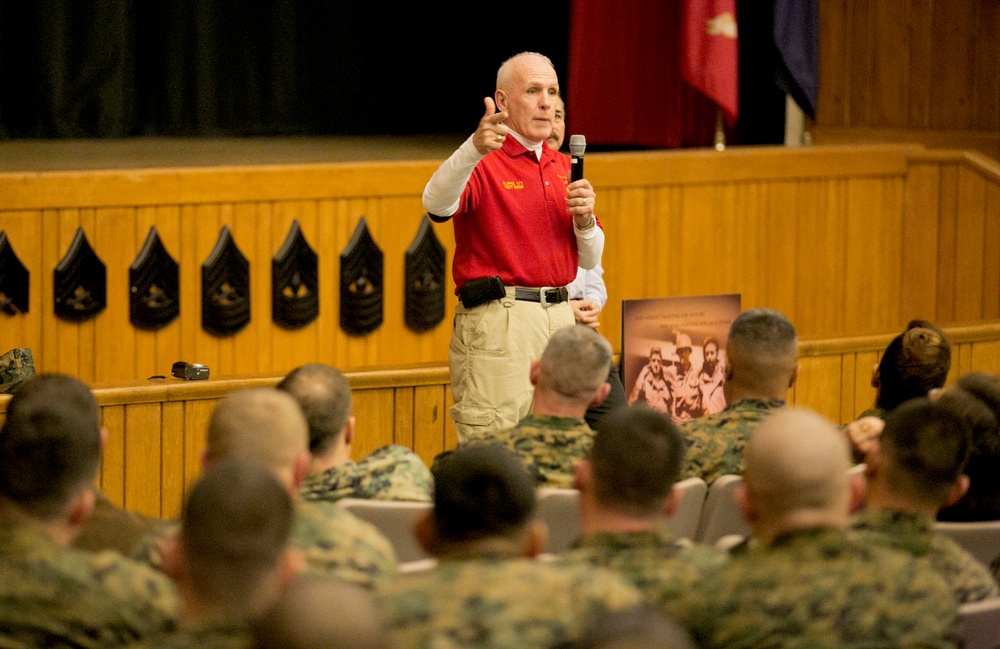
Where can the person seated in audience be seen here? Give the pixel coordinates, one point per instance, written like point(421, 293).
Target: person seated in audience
point(321, 613)
point(392, 472)
point(975, 398)
point(232, 556)
point(913, 470)
point(52, 595)
point(570, 377)
point(639, 627)
point(762, 350)
point(806, 581)
point(487, 590)
point(626, 488)
point(267, 426)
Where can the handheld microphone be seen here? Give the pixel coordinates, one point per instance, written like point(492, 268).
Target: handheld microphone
point(577, 144)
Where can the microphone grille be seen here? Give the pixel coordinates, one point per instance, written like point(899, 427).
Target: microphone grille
point(577, 144)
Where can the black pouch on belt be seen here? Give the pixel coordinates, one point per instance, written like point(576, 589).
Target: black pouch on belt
point(480, 291)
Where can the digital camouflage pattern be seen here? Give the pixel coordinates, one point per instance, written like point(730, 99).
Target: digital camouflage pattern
point(715, 443)
point(16, 366)
point(821, 588)
point(662, 569)
point(223, 635)
point(52, 596)
point(498, 603)
point(914, 534)
point(333, 542)
point(549, 446)
point(392, 472)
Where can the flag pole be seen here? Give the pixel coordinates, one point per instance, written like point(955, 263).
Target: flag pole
point(720, 133)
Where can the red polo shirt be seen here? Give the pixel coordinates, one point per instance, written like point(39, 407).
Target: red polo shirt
point(512, 220)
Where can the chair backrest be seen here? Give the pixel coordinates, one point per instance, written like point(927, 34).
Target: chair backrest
point(721, 514)
point(560, 510)
point(979, 624)
point(683, 523)
point(395, 519)
point(981, 539)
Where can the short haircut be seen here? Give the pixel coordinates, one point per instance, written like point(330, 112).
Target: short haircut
point(481, 491)
point(762, 348)
point(324, 394)
point(234, 528)
point(506, 70)
point(321, 612)
point(975, 398)
point(260, 425)
point(636, 458)
point(575, 362)
point(926, 447)
point(915, 362)
point(50, 444)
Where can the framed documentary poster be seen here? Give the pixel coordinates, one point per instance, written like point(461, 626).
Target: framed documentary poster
point(674, 352)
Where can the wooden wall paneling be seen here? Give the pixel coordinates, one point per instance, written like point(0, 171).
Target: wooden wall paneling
point(143, 453)
point(144, 351)
point(947, 230)
point(24, 233)
point(985, 357)
point(986, 71)
point(919, 244)
point(921, 53)
point(251, 229)
point(848, 379)
point(821, 291)
point(169, 340)
point(374, 419)
point(243, 229)
point(707, 213)
point(113, 458)
point(288, 348)
point(429, 417)
point(953, 65)
point(328, 252)
point(969, 245)
point(861, 62)
point(403, 418)
point(189, 259)
point(891, 58)
point(864, 393)
point(197, 414)
point(61, 340)
point(450, 436)
point(172, 460)
point(818, 385)
point(991, 244)
point(778, 279)
point(961, 360)
point(834, 66)
point(87, 331)
point(114, 347)
point(750, 239)
point(208, 222)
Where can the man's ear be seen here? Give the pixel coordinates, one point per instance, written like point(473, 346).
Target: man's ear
point(423, 532)
point(959, 489)
point(601, 395)
point(671, 503)
point(171, 556)
point(300, 469)
point(348, 433)
point(745, 502)
point(536, 534)
point(500, 99)
point(104, 438)
point(290, 565)
point(80, 508)
point(582, 475)
point(535, 371)
point(794, 377)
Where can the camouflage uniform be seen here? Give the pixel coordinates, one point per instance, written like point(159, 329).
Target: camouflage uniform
point(821, 588)
point(549, 446)
point(914, 534)
point(16, 366)
point(223, 635)
point(392, 472)
point(661, 568)
point(716, 442)
point(333, 542)
point(52, 596)
point(497, 603)
point(110, 527)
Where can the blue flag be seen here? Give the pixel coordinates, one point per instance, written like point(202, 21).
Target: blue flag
point(796, 34)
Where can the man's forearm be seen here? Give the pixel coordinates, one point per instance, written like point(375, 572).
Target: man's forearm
point(444, 189)
point(590, 246)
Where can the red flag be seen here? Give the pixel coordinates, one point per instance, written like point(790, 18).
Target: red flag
point(709, 58)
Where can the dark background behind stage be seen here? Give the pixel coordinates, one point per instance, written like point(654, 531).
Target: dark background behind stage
point(212, 68)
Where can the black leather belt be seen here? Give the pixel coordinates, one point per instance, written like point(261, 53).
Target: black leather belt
point(547, 295)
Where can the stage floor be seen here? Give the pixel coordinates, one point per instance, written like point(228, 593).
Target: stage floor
point(144, 153)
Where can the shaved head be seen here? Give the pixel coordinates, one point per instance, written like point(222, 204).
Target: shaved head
point(796, 467)
point(763, 351)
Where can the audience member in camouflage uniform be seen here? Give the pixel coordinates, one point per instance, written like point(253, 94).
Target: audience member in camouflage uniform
point(16, 367)
point(231, 558)
point(266, 426)
point(762, 351)
point(805, 581)
point(315, 612)
point(570, 376)
point(486, 591)
point(626, 487)
point(915, 468)
point(52, 595)
point(392, 472)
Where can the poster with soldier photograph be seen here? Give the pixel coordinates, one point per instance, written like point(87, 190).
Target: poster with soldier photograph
point(674, 352)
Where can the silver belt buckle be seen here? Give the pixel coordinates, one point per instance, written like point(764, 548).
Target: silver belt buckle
point(542, 298)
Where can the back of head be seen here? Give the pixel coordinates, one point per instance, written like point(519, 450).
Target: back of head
point(50, 444)
point(915, 362)
point(324, 394)
point(975, 399)
point(509, 67)
point(575, 363)
point(321, 613)
point(260, 425)
point(481, 491)
point(234, 528)
point(763, 350)
point(796, 466)
point(636, 458)
point(924, 447)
